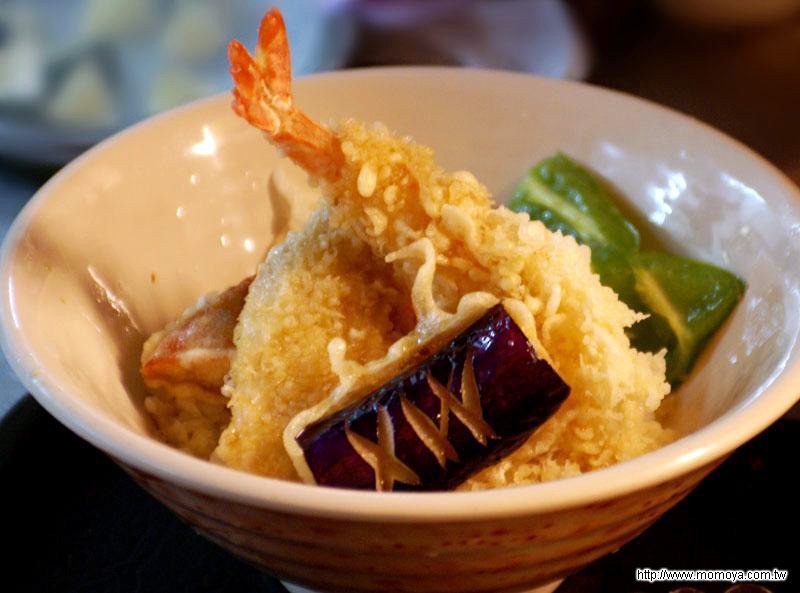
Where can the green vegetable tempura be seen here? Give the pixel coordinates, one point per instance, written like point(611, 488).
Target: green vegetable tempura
point(686, 300)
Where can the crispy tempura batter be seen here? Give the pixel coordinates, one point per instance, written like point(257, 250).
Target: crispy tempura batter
point(319, 284)
point(389, 192)
point(401, 245)
point(578, 323)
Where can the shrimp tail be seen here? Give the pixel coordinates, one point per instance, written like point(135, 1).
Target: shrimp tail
point(262, 95)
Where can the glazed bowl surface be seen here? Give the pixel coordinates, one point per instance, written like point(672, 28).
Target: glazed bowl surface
point(124, 238)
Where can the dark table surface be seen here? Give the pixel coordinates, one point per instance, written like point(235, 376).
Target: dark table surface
point(75, 522)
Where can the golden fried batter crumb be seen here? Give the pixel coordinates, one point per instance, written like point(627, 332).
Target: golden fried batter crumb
point(319, 284)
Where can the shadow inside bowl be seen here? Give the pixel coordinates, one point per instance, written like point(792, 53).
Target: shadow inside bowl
point(106, 310)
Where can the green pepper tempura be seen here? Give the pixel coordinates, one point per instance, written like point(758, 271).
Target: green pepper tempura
point(686, 300)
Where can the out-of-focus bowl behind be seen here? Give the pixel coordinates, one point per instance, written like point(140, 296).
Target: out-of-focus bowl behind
point(72, 73)
point(127, 236)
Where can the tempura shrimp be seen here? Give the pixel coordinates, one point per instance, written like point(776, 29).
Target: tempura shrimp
point(441, 240)
point(184, 367)
point(263, 96)
point(366, 174)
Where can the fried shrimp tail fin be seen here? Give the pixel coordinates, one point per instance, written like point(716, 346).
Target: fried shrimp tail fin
point(263, 96)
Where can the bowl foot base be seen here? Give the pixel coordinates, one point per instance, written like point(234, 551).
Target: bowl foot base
point(548, 588)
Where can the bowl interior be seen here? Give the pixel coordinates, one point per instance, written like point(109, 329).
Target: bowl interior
point(134, 231)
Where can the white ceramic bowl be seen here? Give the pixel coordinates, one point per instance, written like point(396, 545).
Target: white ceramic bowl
point(125, 237)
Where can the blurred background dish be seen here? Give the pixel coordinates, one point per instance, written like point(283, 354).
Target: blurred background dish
point(72, 73)
point(536, 36)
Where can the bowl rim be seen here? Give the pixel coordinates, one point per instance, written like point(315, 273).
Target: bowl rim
point(692, 452)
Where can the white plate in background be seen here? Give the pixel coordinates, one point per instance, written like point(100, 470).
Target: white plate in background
point(141, 58)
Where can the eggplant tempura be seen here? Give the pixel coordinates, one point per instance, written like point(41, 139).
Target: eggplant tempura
point(400, 260)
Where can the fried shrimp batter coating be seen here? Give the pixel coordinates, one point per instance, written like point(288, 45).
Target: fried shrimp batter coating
point(435, 238)
point(401, 250)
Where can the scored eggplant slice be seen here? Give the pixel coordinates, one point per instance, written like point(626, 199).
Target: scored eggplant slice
point(470, 404)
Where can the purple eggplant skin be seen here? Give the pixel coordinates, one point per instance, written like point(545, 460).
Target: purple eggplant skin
point(517, 391)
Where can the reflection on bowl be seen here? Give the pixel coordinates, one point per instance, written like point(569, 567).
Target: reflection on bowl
point(155, 202)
